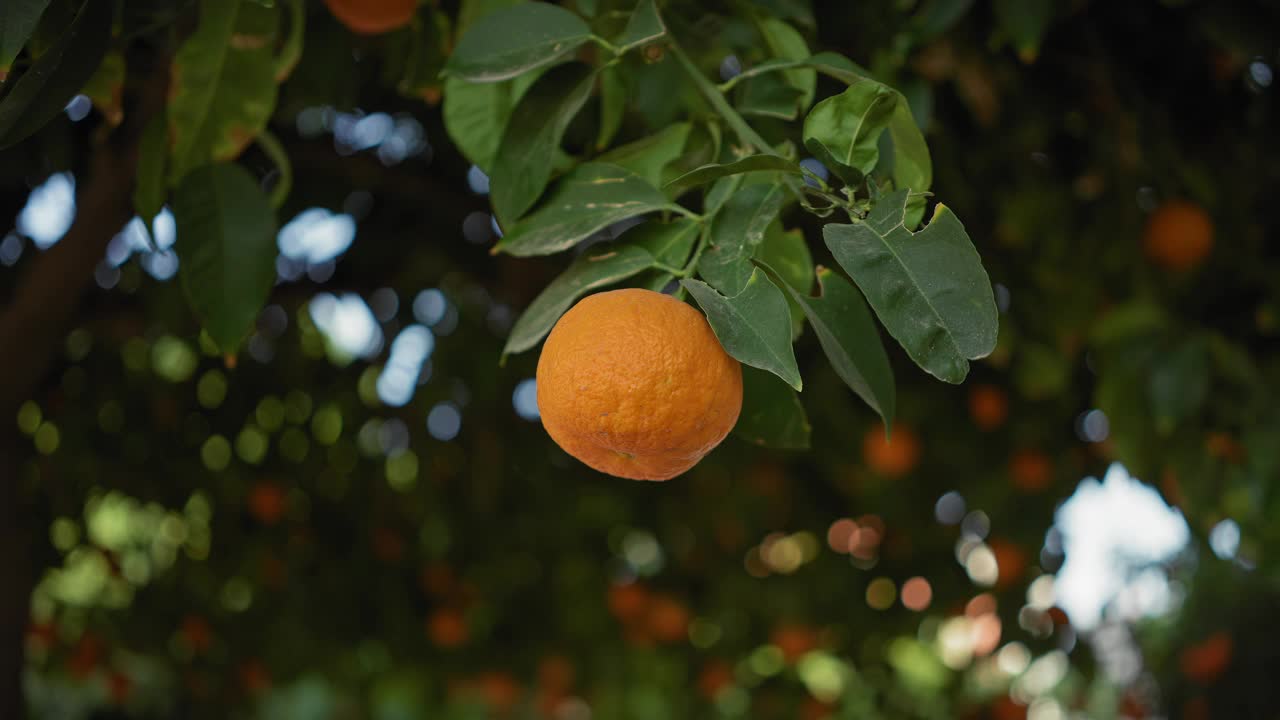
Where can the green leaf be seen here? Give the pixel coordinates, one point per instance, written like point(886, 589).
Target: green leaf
point(223, 89)
point(1179, 383)
point(928, 288)
point(602, 265)
point(937, 16)
point(719, 194)
point(769, 96)
point(752, 163)
point(149, 187)
point(613, 105)
point(596, 268)
point(786, 43)
point(754, 326)
point(472, 10)
point(848, 336)
point(736, 231)
point(510, 41)
point(523, 163)
point(649, 156)
point(787, 253)
point(590, 198)
point(18, 19)
point(45, 88)
point(843, 131)
point(475, 115)
point(1024, 21)
point(226, 234)
point(669, 243)
point(772, 415)
point(912, 166)
point(643, 27)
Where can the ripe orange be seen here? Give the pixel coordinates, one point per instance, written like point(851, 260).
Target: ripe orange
point(668, 619)
point(1179, 235)
point(794, 640)
point(267, 503)
point(1206, 660)
point(371, 17)
point(1030, 470)
point(715, 676)
point(628, 603)
point(893, 457)
point(447, 628)
point(635, 384)
point(988, 406)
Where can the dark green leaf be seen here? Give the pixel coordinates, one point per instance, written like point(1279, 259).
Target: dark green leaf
point(648, 156)
point(510, 41)
point(18, 19)
point(837, 66)
point(753, 163)
point(596, 268)
point(523, 164)
point(592, 197)
point(226, 241)
point(475, 115)
point(643, 27)
point(769, 95)
point(1134, 321)
point(937, 16)
point(472, 10)
point(736, 231)
point(223, 85)
point(1024, 21)
point(787, 44)
point(843, 131)
point(613, 105)
point(787, 254)
point(848, 336)
point(928, 288)
point(1179, 384)
point(912, 166)
point(149, 186)
point(668, 243)
point(754, 326)
point(772, 415)
point(45, 88)
point(719, 194)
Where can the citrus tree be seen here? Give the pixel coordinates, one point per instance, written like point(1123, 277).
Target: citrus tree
point(765, 201)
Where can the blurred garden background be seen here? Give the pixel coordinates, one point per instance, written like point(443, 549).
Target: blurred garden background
point(360, 516)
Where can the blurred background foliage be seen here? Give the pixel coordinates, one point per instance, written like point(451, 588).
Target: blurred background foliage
point(361, 518)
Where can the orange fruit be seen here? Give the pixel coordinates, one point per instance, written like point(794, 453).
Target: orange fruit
point(794, 640)
point(1030, 470)
point(1178, 236)
point(267, 503)
point(893, 457)
point(715, 676)
point(1205, 661)
point(988, 406)
point(635, 384)
point(629, 602)
point(1011, 561)
point(371, 17)
point(447, 628)
point(668, 619)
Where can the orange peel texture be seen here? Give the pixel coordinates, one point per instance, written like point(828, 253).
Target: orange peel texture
point(635, 384)
point(373, 17)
